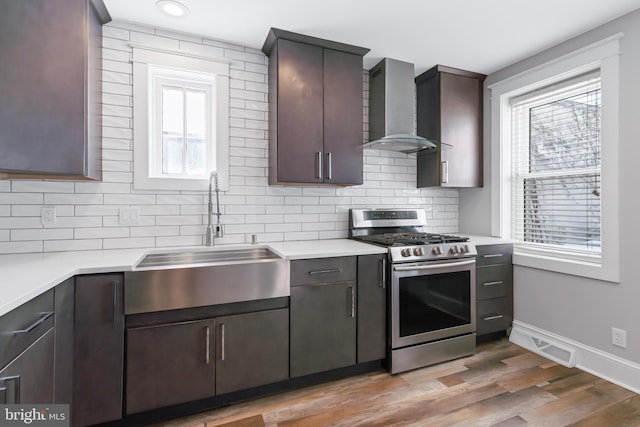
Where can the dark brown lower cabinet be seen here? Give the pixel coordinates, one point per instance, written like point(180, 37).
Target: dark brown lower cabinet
point(29, 377)
point(64, 314)
point(98, 349)
point(170, 364)
point(253, 350)
point(372, 307)
point(181, 362)
point(494, 288)
point(322, 327)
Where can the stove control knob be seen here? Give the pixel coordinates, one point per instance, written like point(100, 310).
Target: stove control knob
point(454, 249)
point(418, 252)
point(437, 250)
point(464, 249)
point(405, 252)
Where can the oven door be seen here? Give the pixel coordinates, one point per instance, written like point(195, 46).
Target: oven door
point(432, 301)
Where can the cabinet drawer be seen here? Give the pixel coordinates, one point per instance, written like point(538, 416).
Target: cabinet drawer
point(494, 281)
point(22, 326)
point(323, 270)
point(494, 254)
point(494, 315)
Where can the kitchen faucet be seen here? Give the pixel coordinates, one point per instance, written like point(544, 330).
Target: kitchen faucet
point(210, 235)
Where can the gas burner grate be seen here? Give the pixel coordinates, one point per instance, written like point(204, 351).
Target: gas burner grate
point(405, 239)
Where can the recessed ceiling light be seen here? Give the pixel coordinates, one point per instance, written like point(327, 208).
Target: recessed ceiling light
point(172, 8)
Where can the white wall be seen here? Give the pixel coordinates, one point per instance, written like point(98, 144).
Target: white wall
point(87, 212)
point(572, 307)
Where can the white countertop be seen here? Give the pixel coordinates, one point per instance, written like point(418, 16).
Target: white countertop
point(25, 276)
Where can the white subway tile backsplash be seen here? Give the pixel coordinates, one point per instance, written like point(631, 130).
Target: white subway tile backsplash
point(178, 241)
point(179, 220)
point(21, 198)
point(136, 242)
point(88, 212)
point(73, 199)
point(41, 234)
point(72, 245)
point(20, 247)
point(118, 100)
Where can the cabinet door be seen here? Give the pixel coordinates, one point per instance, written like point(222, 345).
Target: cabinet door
point(98, 349)
point(299, 109)
point(372, 306)
point(252, 350)
point(64, 314)
point(343, 137)
point(322, 327)
point(461, 116)
point(29, 377)
point(45, 102)
point(170, 364)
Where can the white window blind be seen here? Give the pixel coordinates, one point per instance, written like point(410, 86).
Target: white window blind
point(556, 136)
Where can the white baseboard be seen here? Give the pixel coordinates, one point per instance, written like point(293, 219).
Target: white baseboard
point(597, 362)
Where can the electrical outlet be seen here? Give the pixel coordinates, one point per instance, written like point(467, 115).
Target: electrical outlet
point(48, 216)
point(619, 337)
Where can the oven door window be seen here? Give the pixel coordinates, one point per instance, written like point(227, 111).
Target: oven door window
point(432, 302)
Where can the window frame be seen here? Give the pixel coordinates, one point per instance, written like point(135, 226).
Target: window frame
point(602, 55)
point(186, 67)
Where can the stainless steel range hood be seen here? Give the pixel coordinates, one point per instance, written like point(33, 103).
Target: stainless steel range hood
point(392, 109)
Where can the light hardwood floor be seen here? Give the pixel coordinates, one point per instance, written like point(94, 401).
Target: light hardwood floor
point(501, 385)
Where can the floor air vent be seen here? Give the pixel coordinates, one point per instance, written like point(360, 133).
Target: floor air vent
point(545, 347)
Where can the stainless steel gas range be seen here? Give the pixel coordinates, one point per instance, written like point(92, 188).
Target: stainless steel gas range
point(431, 301)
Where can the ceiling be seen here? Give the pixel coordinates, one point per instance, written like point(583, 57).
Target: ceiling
point(481, 36)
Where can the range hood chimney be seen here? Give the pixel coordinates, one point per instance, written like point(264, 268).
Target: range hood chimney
point(392, 109)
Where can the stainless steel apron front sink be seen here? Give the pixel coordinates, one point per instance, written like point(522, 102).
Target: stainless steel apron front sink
point(176, 280)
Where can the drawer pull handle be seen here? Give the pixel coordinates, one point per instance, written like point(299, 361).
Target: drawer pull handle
point(222, 342)
point(499, 316)
point(352, 305)
point(207, 344)
point(43, 317)
point(492, 256)
point(383, 273)
point(331, 270)
point(499, 282)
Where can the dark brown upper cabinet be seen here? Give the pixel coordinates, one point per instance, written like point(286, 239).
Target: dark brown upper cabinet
point(315, 110)
point(50, 108)
point(449, 111)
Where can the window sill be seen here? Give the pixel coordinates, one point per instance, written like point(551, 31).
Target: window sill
point(556, 262)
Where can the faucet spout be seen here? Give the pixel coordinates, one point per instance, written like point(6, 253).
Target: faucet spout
point(212, 231)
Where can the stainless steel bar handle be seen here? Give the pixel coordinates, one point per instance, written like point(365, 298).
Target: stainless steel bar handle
point(445, 171)
point(353, 302)
point(115, 301)
point(3, 395)
point(499, 316)
point(319, 164)
point(207, 345)
point(499, 282)
point(222, 341)
point(383, 271)
point(331, 270)
point(433, 267)
point(16, 389)
point(329, 171)
point(43, 316)
point(492, 256)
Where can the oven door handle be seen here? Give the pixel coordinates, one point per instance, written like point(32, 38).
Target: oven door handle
point(432, 266)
